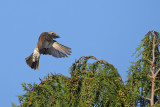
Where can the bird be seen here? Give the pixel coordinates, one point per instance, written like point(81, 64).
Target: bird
point(47, 46)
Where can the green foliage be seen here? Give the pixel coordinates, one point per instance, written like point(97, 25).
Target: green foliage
point(142, 74)
point(96, 84)
point(49, 92)
point(13, 105)
point(90, 84)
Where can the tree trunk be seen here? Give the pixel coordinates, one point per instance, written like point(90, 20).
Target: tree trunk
point(152, 92)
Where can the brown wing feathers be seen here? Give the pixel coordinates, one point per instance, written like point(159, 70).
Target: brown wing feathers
point(62, 51)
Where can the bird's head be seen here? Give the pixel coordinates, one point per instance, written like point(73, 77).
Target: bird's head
point(54, 34)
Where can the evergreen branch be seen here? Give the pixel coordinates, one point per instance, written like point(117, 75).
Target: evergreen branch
point(147, 74)
point(146, 60)
point(157, 101)
point(156, 89)
point(100, 61)
point(146, 98)
point(157, 72)
point(157, 43)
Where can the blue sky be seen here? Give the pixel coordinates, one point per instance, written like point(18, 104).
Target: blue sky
point(107, 29)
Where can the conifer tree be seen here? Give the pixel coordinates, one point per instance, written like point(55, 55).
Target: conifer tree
point(91, 84)
point(144, 75)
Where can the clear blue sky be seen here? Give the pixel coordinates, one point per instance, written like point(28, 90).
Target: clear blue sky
point(107, 29)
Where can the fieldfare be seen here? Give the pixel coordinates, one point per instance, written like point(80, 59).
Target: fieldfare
point(47, 46)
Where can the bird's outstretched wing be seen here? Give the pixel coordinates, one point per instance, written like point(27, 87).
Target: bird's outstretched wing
point(57, 50)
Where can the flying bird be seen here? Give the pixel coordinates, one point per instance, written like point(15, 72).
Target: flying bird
point(47, 46)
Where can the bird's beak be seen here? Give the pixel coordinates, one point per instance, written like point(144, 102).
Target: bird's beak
point(57, 36)
point(52, 33)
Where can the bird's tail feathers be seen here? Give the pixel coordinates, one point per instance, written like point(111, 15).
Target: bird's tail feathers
point(33, 64)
